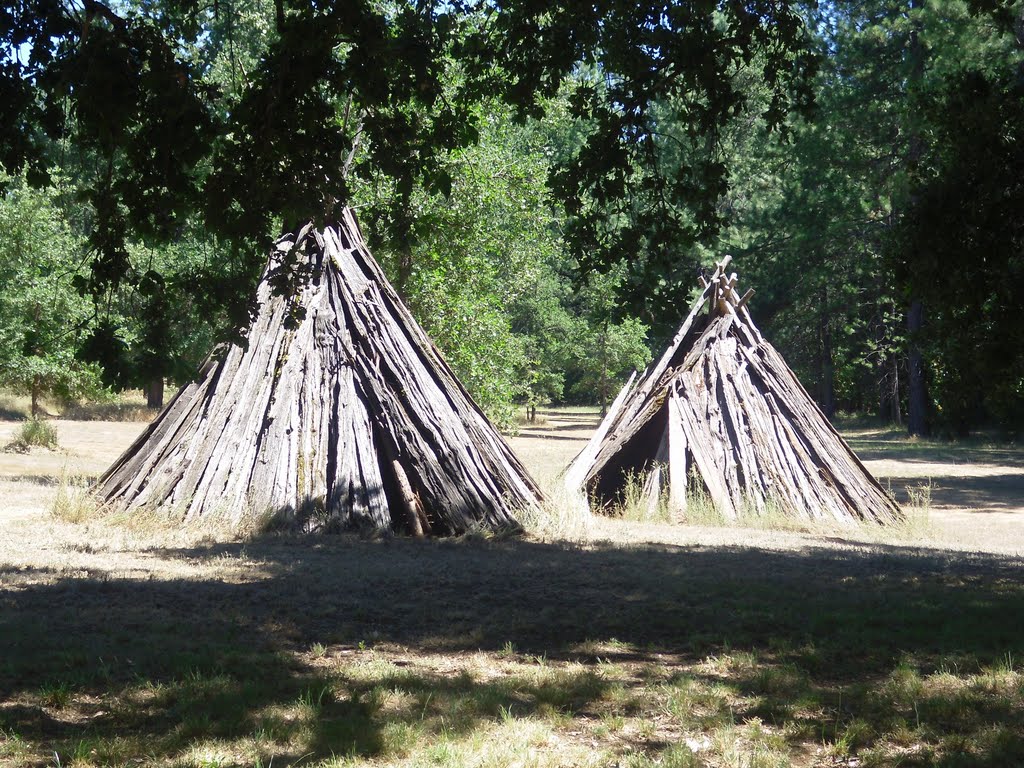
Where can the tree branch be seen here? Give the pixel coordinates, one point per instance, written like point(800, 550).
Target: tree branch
point(347, 165)
point(94, 8)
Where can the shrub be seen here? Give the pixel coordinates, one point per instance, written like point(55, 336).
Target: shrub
point(34, 433)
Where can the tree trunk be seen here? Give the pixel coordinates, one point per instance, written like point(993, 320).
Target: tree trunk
point(602, 383)
point(917, 390)
point(37, 381)
point(889, 407)
point(827, 392)
point(896, 413)
point(917, 394)
point(404, 272)
point(155, 393)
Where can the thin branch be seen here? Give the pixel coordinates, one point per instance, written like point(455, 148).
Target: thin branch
point(347, 165)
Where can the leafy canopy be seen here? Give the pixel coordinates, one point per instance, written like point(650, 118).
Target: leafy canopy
point(42, 318)
point(361, 87)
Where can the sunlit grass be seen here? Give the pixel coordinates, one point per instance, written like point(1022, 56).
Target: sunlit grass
point(740, 708)
point(133, 643)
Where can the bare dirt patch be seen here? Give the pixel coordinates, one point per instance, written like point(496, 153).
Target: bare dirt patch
point(29, 481)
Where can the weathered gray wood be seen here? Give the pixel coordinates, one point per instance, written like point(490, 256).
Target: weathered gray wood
point(677, 465)
point(346, 418)
point(737, 414)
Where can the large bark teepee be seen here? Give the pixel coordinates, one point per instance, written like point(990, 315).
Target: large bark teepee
point(720, 410)
point(338, 413)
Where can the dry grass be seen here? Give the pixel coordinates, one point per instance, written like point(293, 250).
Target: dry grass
point(961, 497)
point(594, 642)
point(125, 406)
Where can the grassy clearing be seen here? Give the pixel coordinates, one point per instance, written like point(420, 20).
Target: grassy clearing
point(887, 441)
point(592, 642)
point(127, 407)
point(351, 652)
point(124, 406)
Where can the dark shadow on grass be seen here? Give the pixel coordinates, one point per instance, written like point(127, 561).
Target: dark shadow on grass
point(870, 448)
point(213, 657)
point(986, 493)
point(545, 435)
point(962, 725)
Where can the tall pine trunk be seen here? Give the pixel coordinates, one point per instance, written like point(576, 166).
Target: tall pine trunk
point(889, 391)
point(155, 393)
point(917, 389)
point(826, 381)
point(404, 272)
point(602, 384)
point(917, 393)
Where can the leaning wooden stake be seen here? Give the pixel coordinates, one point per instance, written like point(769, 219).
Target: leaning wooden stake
point(721, 408)
point(337, 413)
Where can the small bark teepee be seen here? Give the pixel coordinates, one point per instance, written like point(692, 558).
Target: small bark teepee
point(337, 413)
point(721, 409)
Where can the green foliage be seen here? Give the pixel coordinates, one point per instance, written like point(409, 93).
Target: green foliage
point(604, 356)
point(963, 246)
point(662, 80)
point(810, 219)
point(251, 113)
point(162, 325)
point(577, 351)
point(475, 253)
point(42, 316)
point(487, 277)
point(538, 255)
point(478, 343)
point(901, 185)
